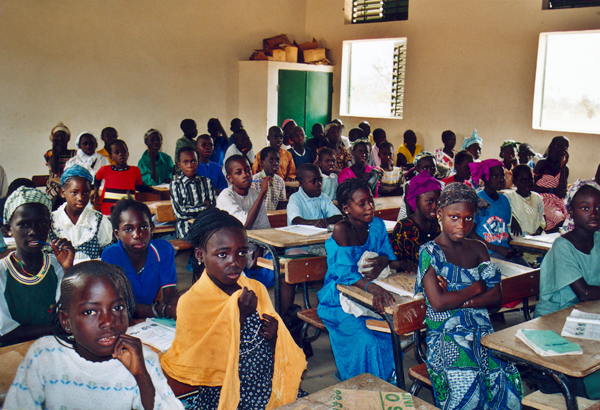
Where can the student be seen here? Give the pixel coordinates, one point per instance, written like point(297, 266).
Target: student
point(357, 349)
point(91, 362)
point(300, 153)
point(241, 146)
point(14, 185)
point(240, 355)
point(360, 169)
point(287, 168)
point(236, 125)
point(287, 129)
point(392, 179)
point(551, 176)
point(88, 231)
point(334, 143)
point(119, 179)
point(269, 158)
point(190, 132)
point(57, 157)
point(492, 224)
point(424, 162)
point(206, 167)
point(366, 127)
point(219, 140)
point(318, 139)
point(87, 157)
point(459, 281)
point(354, 135)
point(149, 264)
point(473, 144)
point(326, 163)
point(508, 153)
point(408, 150)
point(30, 276)
point(420, 227)
point(190, 193)
point(108, 135)
point(527, 207)
point(156, 167)
point(461, 165)
point(527, 155)
point(446, 154)
point(379, 137)
point(310, 206)
point(345, 140)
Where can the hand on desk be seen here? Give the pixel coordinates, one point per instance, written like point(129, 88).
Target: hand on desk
point(381, 297)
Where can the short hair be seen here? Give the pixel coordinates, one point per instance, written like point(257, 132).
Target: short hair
point(520, 169)
point(346, 189)
point(72, 278)
point(126, 204)
point(204, 137)
point(266, 151)
point(213, 122)
point(377, 132)
point(17, 183)
point(186, 124)
point(118, 141)
point(410, 133)
point(323, 152)
point(316, 124)
point(356, 131)
point(236, 121)
point(232, 159)
point(447, 134)
point(386, 144)
point(185, 149)
point(297, 128)
point(208, 222)
point(107, 129)
point(462, 156)
point(304, 169)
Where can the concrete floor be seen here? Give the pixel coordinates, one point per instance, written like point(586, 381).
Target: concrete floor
point(321, 366)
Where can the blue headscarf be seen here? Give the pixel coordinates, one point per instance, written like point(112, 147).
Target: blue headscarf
point(473, 139)
point(76, 171)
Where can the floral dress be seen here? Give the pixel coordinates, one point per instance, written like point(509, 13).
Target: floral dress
point(463, 373)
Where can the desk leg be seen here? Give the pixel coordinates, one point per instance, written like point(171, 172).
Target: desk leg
point(561, 379)
point(276, 273)
point(398, 351)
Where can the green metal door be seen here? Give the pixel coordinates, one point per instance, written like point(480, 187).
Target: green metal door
point(291, 100)
point(319, 88)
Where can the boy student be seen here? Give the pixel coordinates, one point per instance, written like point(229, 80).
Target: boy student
point(206, 167)
point(318, 139)
point(300, 153)
point(190, 193)
point(310, 206)
point(287, 169)
point(392, 180)
point(366, 127)
point(220, 141)
point(326, 163)
point(408, 151)
point(241, 146)
point(235, 125)
point(379, 137)
point(108, 135)
point(190, 132)
point(269, 158)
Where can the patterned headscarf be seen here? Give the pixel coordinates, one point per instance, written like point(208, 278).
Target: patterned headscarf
point(473, 139)
point(361, 140)
point(424, 154)
point(509, 143)
point(75, 171)
point(22, 196)
point(152, 131)
point(481, 170)
point(457, 192)
point(60, 127)
point(569, 224)
point(419, 185)
point(330, 126)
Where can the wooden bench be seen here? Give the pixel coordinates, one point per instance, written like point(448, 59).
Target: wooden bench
point(539, 400)
point(302, 271)
point(39, 180)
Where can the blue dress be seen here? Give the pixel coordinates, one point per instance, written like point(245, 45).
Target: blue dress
point(356, 349)
point(463, 373)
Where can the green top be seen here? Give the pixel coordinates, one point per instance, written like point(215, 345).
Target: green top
point(164, 168)
point(183, 142)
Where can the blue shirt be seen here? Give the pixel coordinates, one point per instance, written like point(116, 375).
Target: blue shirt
point(218, 154)
point(307, 158)
point(214, 172)
point(493, 223)
point(306, 207)
point(158, 272)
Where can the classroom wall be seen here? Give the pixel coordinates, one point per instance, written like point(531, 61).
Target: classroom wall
point(134, 65)
point(470, 64)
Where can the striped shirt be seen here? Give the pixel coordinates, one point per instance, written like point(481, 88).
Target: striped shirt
point(276, 190)
point(189, 198)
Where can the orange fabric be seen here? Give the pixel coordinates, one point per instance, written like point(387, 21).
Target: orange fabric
point(206, 348)
point(287, 168)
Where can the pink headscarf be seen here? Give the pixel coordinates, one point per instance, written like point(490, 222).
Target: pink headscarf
point(481, 170)
point(419, 185)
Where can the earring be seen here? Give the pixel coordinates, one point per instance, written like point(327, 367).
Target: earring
point(199, 261)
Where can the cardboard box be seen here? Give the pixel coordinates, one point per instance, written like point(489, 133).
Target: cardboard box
point(291, 54)
point(269, 43)
point(314, 54)
point(277, 55)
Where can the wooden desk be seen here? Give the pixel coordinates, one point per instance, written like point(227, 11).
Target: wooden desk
point(323, 399)
point(518, 283)
point(387, 207)
point(531, 245)
point(506, 346)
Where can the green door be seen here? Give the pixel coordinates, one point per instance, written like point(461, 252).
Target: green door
point(291, 100)
point(319, 88)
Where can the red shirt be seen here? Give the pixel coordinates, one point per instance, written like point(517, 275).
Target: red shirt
point(117, 184)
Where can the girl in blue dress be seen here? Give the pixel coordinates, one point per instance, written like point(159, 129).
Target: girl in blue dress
point(459, 281)
point(357, 349)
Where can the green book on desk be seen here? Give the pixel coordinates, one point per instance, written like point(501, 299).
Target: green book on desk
point(548, 342)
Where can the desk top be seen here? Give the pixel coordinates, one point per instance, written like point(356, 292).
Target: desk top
point(572, 365)
point(322, 400)
point(531, 243)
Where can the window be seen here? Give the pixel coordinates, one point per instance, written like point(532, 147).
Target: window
point(568, 4)
point(370, 11)
point(567, 90)
point(373, 78)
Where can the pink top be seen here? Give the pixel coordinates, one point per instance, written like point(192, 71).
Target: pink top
point(348, 173)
